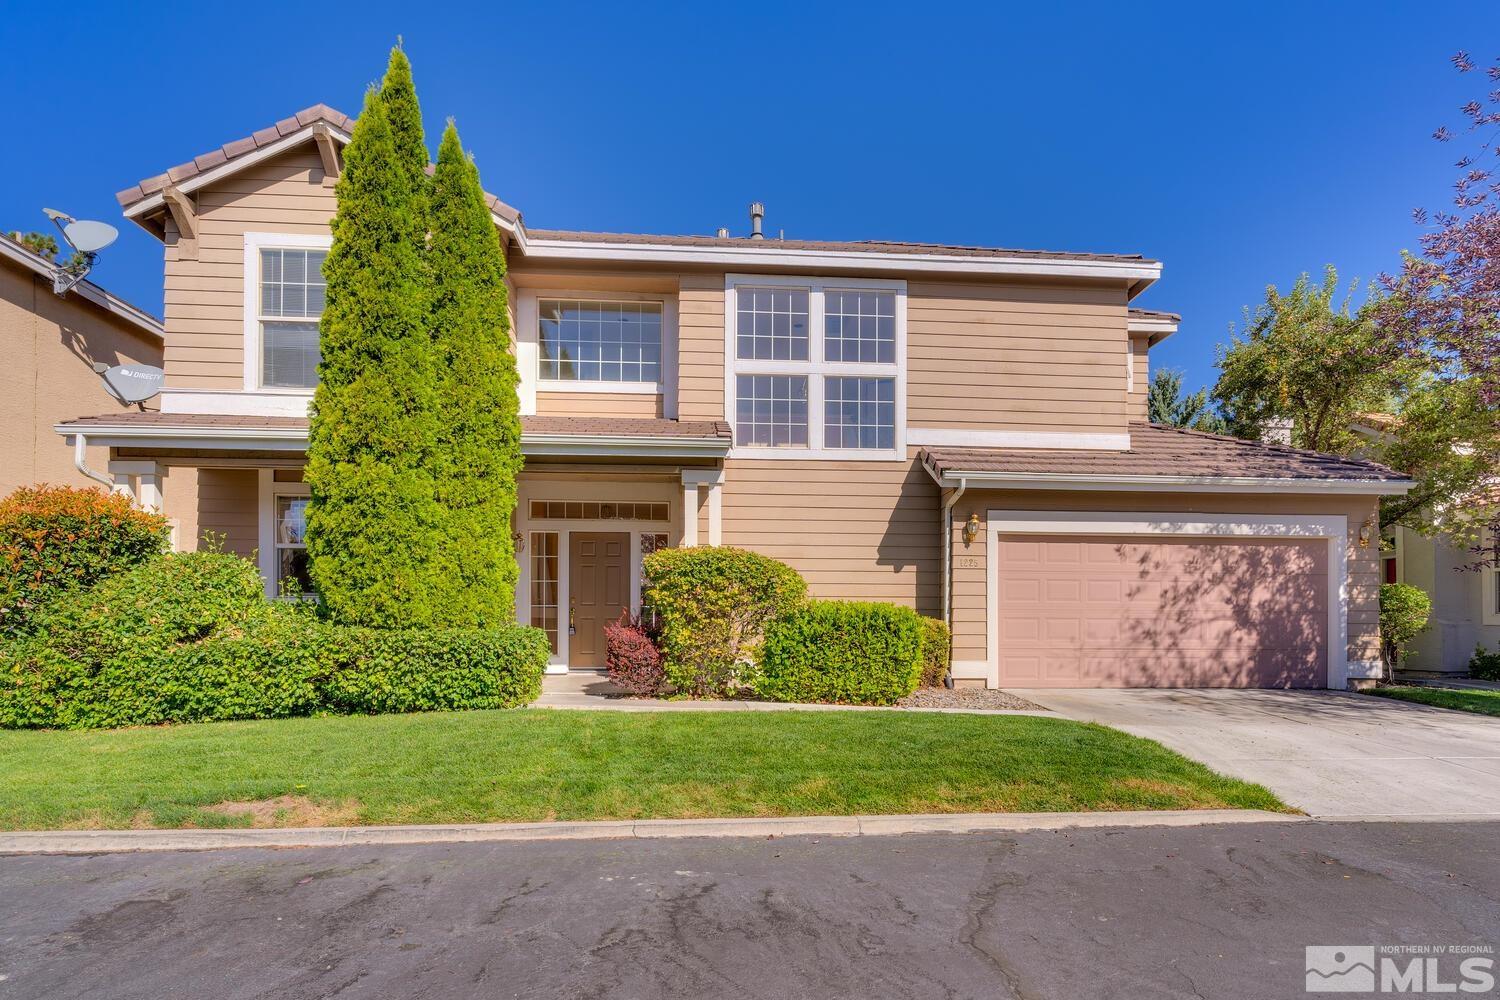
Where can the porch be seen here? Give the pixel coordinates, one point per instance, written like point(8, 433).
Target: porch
point(597, 495)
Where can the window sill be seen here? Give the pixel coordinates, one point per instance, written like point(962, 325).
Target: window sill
point(630, 388)
point(817, 454)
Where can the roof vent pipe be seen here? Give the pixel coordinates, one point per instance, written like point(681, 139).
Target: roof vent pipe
point(757, 216)
point(723, 233)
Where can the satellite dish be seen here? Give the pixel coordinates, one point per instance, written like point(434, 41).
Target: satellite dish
point(87, 236)
point(84, 236)
point(133, 383)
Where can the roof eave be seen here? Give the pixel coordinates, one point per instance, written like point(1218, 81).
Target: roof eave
point(953, 477)
point(295, 439)
point(87, 290)
point(1136, 274)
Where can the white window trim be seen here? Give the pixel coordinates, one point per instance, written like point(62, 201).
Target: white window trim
point(254, 244)
point(1334, 528)
point(815, 367)
point(268, 489)
point(1489, 592)
point(528, 351)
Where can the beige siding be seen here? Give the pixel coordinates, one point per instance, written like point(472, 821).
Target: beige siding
point(204, 298)
point(598, 404)
point(1140, 358)
point(218, 504)
point(969, 621)
point(1016, 357)
point(858, 530)
point(49, 345)
point(700, 347)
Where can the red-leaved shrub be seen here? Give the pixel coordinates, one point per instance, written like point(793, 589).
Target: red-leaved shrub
point(58, 538)
point(632, 659)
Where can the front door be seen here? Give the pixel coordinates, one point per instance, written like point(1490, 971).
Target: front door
point(599, 589)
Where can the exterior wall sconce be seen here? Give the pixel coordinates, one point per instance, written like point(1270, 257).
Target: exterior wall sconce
point(971, 528)
point(1366, 532)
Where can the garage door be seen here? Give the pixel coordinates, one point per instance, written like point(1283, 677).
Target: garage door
point(1096, 611)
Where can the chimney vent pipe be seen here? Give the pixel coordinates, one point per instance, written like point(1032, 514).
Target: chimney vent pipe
point(757, 216)
point(723, 233)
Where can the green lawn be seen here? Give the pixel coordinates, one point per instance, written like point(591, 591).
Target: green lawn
point(1459, 699)
point(575, 765)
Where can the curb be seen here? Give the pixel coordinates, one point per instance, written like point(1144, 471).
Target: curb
point(113, 841)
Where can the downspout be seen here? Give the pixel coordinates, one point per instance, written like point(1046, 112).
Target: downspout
point(947, 529)
point(81, 461)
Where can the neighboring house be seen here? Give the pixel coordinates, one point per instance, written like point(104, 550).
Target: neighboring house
point(49, 345)
point(960, 429)
point(1465, 601)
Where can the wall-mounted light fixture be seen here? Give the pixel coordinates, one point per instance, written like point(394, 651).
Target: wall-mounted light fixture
point(971, 528)
point(1366, 532)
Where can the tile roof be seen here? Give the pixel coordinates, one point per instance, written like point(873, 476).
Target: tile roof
point(856, 246)
point(1168, 317)
point(231, 151)
point(1167, 452)
point(645, 427)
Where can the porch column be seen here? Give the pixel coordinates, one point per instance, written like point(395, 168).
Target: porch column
point(141, 481)
point(713, 481)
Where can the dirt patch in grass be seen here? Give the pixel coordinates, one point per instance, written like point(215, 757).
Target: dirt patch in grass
point(289, 810)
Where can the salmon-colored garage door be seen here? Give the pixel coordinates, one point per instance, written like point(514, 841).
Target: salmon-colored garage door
point(1093, 611)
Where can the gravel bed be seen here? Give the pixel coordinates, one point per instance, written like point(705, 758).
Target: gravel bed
point(941, 697)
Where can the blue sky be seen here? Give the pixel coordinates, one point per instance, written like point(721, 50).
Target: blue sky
point(1239, 145)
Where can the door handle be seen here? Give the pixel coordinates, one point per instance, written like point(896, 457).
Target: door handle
point(572, 625)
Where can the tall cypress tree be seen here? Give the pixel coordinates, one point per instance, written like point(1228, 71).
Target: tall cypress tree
point(373, 523)
point(479, 442)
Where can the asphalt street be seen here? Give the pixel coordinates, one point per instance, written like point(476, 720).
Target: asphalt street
point(1221, 911)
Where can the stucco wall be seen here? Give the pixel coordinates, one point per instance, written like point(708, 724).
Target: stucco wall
point(48, 345)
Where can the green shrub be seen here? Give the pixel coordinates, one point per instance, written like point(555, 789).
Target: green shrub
point(713, 604)
point(57, 538)
point(936, 643)
point(1484, 665)
point(850, 652)
point(1404, 610)
point(425, 670)
point(191, 638)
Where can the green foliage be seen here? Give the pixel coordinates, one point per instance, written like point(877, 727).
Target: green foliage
point(936, 649)
point(57, 538)
point(1404, 610)
point(714, 603)
point(372, 535)
point(78, 666)
point(41, 244)
point(1447, 440)
point(1484, 665)
point(1166, 404)
point(1312, 362)
point(849, 652)
point(190, 638)
point(478, 453)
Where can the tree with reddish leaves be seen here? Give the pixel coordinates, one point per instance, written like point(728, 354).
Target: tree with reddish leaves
point(1444, 304)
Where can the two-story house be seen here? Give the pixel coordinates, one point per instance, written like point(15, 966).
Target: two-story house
point(960, 429)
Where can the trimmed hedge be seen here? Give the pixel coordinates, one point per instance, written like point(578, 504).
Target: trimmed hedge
point(714, 604)
point(936, 647)
point(850, 652)
point(54, 539)
point(190, 638)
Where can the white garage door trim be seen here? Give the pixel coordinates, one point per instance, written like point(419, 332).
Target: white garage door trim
point(1334, 528)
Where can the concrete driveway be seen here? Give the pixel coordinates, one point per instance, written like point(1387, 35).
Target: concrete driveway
point(1328, 753)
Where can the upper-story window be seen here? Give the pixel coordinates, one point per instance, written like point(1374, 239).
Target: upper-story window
point(284, 298)
point(291, 301)
point(817, 367)
point(599, 341)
